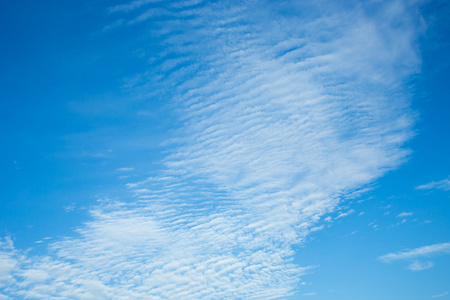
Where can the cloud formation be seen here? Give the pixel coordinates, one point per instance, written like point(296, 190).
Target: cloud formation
point(443, 184)
point(425, 251)
point(404, 214)
point(420, 266)
point(125, 169)
point(440, 295)
point(282, 118)
point(418, 253)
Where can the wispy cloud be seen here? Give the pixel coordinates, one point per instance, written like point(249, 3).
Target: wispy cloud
point(440, 295)
point(420, 266)
point(404, 214)
point(125, 169)
point(425, 251)
point(345, 214)
point(113, 25)
point(418, 253)
point(443, 184)
point(282, 119)
point(131, 6)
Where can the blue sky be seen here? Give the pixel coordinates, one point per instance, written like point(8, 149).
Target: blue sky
point(225, 150)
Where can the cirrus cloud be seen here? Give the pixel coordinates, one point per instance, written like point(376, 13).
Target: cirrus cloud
point(282, 119)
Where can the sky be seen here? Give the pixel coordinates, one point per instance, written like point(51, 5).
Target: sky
point(193, 149)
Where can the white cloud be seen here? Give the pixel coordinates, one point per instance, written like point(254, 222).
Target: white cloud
point(131, 6)
point(6, 266)
point(443, 184)
point(70, 207)
point(34, 276)
point(345, 214)
point(420, 266)
point(418, 253)
point(425, 251)
point(404, 214)
point(125, 169)
point(7, 262)
point(280, 123)
point(440, 295)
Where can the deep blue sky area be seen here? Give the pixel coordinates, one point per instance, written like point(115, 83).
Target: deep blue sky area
point(62, 106)
point(191, 148)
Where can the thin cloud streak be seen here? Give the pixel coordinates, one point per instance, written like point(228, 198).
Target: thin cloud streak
point(282, 120)
point(404, 214)
point(440, 295)
point(131, 6)
point(125, 169)
point(425, 251)
point(443, 184)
